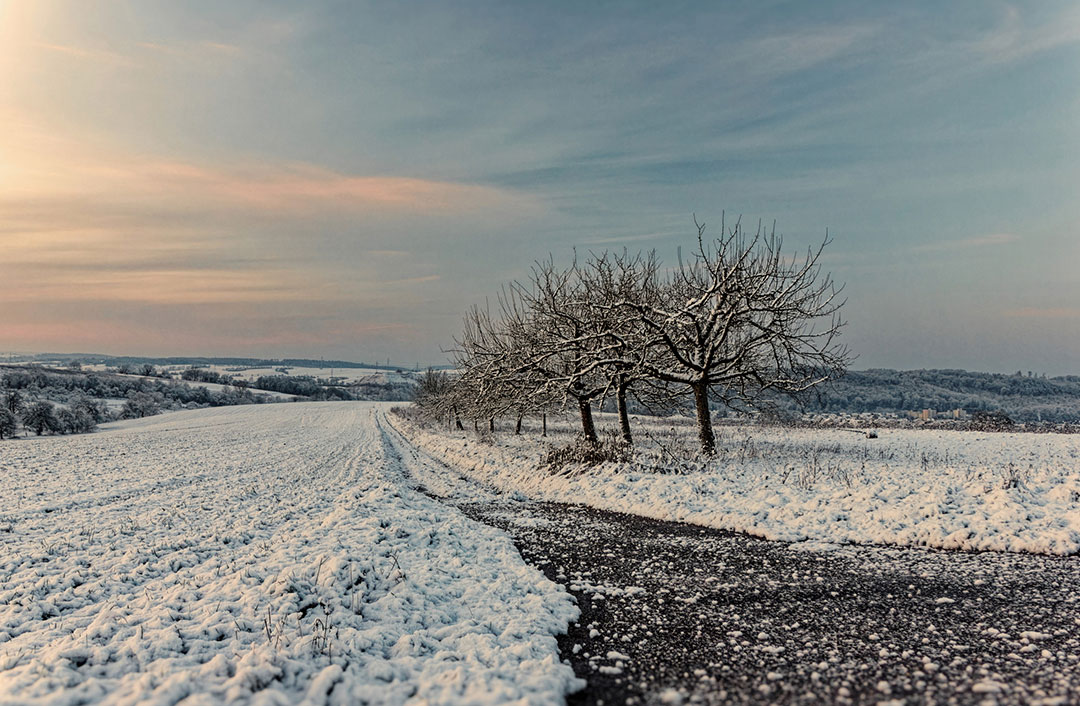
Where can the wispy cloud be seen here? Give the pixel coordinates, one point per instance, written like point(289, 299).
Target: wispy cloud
point(177, 286)
point(1031, 312)
point(138, 238)
point(55, 182)
point(390, 253)
point(620, 239)
point(978, 241)
point(193, 48)
point(799, 50)
point(304, 187)
point(1014, 38)
point(223, 47)
point(83, 53)
point(412, 280)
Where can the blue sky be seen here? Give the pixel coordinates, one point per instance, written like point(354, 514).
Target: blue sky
point(345, 179)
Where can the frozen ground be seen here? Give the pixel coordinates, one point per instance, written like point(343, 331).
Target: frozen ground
point(372, 375)
point(381, 376)
point(217, 387)
point(944, 489)
point(282, 554)
point(263, 554)
point(673, 613)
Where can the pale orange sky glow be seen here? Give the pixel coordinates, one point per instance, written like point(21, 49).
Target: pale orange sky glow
point(131, 236)
point(81, 223)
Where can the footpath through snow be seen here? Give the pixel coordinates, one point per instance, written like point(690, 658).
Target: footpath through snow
point(270, 554)
point(941, 489)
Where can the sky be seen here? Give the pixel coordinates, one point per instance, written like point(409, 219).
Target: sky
point(345, 179)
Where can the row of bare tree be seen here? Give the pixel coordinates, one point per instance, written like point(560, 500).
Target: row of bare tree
point(735, 322)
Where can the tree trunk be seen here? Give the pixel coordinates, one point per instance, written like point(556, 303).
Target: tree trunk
point(588, 429)
point(704, 418)
point(517, 427)
point(624, 416)
point(491, 424)
point(476, 425)
point(457, 418)
point(544, 432)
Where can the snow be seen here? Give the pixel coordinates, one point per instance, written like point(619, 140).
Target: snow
point(380, 375)
point(814, 488)
point(263, 554)
point(371, 375)
point(218, 387)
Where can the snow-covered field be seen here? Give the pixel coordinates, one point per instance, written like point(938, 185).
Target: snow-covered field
point(269, 554)
point(380, 376)
point(946, 489)
point(217, 387)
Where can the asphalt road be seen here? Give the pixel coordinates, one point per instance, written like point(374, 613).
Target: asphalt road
point(675, 613)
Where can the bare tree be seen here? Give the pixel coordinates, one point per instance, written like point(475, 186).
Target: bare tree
point(564, 344)
point(440, 396)
point(493, 358)
point(431, 392)
point(737, 322)
point(622, 345)
point(741, 319)
point(538, 351)
point(480, 357)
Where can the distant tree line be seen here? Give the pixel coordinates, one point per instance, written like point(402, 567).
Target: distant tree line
point(71, 402)
point(1024, 398)
point(194, 374)
point(737, 322)
point(132, 364)
point(307, 386)
point(304, 386)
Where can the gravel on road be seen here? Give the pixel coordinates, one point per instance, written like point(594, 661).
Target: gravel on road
point(674, 613)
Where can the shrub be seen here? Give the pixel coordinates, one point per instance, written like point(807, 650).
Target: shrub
point(991, 421)
point(583, 452)
point(139, 405)
point(40, 417)
point(8, 423)
point(75, 421)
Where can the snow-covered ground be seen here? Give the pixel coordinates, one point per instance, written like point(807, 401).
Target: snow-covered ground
point(380, 376)
point(265, 554)
point(215, 387)
point(946, 489)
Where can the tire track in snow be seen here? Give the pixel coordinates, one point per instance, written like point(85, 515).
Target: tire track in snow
point(435, 477)
point(217, 590)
